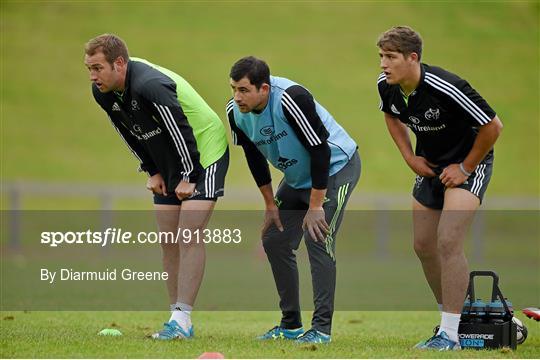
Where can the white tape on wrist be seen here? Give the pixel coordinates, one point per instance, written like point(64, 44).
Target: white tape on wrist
point(465, 172)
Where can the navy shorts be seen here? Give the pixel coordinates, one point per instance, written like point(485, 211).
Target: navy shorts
point(209, 187)
point(430, 191)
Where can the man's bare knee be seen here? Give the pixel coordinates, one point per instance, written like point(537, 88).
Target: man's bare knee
point(425, 248)
point(169, 247)
point(192, 238)
point(450, 245)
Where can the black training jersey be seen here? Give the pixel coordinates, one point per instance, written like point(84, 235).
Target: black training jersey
point(153, 122)
point(444, 112)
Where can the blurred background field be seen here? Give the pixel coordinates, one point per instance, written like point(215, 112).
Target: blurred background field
point(52, 131)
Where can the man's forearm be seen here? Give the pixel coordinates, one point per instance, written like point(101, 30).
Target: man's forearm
point(316, 198)
point(399, 134)
point(486, 138)
point(267, 194)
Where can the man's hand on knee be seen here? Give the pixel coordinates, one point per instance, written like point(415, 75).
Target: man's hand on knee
point(271, 217)
point(315, 224)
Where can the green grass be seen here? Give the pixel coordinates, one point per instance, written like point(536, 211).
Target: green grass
point(52, 130)
point(355, 335)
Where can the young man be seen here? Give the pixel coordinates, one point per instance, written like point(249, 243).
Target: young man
point(455, 132)
point(277, 120)
point(181, 144)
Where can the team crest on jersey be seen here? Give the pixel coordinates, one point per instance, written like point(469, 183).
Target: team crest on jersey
point(414, 119)
point(116, 107)
point(432, 114)
point(394, 109)
point(135, 105)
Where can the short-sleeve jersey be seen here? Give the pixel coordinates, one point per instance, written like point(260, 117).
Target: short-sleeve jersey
point(444, 112)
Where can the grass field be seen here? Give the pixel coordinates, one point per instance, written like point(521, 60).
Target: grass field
point(356, 335)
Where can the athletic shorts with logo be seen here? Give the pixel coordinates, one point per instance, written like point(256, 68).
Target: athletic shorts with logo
point(209, 187)
point(430, 191)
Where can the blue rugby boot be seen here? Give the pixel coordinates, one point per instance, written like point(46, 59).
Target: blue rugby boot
point(313, 336)
point(171, 330)
point(441, 342)
point(278, 332)
point(421, 344)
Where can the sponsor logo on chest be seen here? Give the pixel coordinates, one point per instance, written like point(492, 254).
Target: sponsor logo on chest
point(426, 128)
point(414, 119)
point(431, 115)
point(137, 132)
point(273, 137)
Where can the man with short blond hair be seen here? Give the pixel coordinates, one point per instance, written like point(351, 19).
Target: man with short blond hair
point(180, 142)
point(455, 132)
point(110, 45)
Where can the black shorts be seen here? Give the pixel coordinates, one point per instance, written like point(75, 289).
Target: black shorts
point(430, 191)
point(209, 187)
